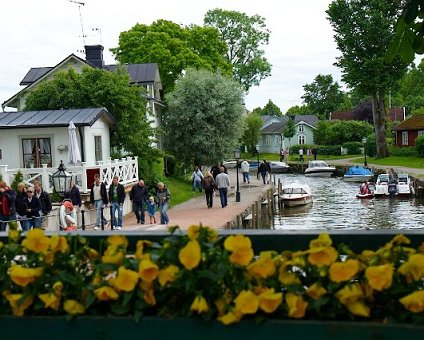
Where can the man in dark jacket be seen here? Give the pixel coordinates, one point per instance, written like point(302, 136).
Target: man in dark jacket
point(74, 195)
point(7, 205)
point(46, 203)
point(138, 197)
point(98, 198)
point(116, 199)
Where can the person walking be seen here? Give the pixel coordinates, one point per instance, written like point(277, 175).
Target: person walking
point(163, 197)
point(20, 203)
point(245, 168)
point(7, 205)
point(301, 155)
point(33, 210)
point(197, 178)
point(138, 197)
point(46, 203)
point(209, 186)
point(74, 194)
point(98, 199)
point(116, 199)
point(151, 209)
point(223, 182)
point(263, 170)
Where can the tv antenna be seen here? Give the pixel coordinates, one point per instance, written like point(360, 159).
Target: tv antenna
point(80, 4)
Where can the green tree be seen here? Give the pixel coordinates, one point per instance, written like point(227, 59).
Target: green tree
point(174, 48)
point(244, 36)
point(203, 123)
point(271, 109)
point(98, 88)
point(364, 29)
point(323, 95)
point(299, 110)
point(252, 126)
point(340, 132)
point(289, 129)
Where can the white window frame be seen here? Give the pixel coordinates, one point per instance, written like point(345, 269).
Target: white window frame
point(301, 128)
point(301, 139)
point(404, 137)
point(420, 133)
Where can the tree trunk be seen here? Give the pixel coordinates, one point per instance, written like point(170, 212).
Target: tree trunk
point(379, 117)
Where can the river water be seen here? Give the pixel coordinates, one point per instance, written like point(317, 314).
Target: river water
point(335, 207)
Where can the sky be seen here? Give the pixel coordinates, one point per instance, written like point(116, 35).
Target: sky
point(42, 33)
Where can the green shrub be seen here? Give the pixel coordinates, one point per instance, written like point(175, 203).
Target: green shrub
point(403, 152)
point(19, 177)
point(419, 145)
point(353, 148)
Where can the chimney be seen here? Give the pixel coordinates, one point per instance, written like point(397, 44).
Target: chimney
point(94, 55)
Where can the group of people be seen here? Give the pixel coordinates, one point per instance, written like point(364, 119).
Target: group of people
point(29, 206)
point(309, 153)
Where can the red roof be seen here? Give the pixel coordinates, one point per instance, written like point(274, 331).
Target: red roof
point(412, 123)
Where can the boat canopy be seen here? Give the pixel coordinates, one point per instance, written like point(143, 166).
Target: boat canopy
point(358, 171)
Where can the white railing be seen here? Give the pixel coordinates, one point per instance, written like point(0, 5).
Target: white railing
point(126, 169)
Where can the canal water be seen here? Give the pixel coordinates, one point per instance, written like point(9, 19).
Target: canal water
point(335, 207)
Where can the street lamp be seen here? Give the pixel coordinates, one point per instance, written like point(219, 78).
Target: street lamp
point(61, 180)
point(364, 142)
point(237, 157)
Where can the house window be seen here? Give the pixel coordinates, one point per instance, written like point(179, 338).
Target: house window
point(98, 148)
point(301, 128)
point(404, 137)
point(36, 151)
point(421, 132)
point(301, 139)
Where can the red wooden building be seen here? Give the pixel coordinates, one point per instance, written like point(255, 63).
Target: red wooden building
point(408, 131)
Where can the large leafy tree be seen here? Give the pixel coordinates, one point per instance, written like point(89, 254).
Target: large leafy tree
point(252, 126)
point(244, 35)
point(203, 122)
point(323, 95)
point(364, 29)
point(339, 132)
point(289, 129)
point(99, 88)
point(271, 109)
point(174, 48)
point(299, 110)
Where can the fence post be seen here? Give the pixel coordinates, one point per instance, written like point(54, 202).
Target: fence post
point(84, 177)
point(82, 219)
point(45, 179)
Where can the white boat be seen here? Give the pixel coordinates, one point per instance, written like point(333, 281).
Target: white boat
point(385, 188)
point(404, 187)
point(358, 174)
point(296, 194)
point(319, 169)
point(279, 167)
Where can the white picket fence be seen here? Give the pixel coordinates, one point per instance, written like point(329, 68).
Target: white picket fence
point(126, 169)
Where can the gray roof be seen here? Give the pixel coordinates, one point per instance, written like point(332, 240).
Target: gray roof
point(277, 128)
point(139, 73)
point(53, 118)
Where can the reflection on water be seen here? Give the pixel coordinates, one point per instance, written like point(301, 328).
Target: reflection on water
point(335, 207)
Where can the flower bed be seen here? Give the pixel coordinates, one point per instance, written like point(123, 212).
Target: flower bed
point(209, 277)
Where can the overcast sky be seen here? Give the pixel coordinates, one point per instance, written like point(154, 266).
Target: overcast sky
point(42, 33)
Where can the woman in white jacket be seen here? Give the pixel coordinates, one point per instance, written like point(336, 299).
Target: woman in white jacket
point(68, 216)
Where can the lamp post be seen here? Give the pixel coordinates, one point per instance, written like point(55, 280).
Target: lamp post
point(61, 180)
point(364, 142)
point(237, 157)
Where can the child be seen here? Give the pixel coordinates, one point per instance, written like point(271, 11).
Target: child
point(151, 209)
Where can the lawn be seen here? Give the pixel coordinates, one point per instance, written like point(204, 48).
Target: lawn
point(181, 190)
point(410, 162)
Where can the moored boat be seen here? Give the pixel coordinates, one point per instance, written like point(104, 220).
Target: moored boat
point(296, 194)
point(319, 169)
point(358, 174)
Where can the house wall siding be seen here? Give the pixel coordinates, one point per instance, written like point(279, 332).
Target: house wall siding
point(412, 136)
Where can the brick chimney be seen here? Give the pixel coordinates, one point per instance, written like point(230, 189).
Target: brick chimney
point(94, 55)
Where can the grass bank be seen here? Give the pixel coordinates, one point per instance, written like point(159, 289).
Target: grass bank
point(181, 190)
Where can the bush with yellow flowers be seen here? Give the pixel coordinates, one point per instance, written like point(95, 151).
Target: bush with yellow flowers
point(201, 274)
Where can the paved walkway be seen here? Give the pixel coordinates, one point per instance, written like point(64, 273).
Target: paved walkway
point(195, 210)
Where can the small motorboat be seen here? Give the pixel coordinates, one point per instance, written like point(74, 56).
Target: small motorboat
point(404, 187)
point(366, 190)
point(296, 194)
point(319, 169)
point(385, 188)
point(358, 174)
point(279, 167)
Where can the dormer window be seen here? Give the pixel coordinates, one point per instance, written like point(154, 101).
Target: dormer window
point(301, 128)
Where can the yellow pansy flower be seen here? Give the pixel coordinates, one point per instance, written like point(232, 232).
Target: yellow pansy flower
point(190, 255)
point(14, 235)
point(241, 256)
point(230, 317)
point(24, 276)
point(401, 239)
point(199, 305)
point(149, 297)
point(148, 270)
point(322, 241)
point(139, 249)
point(288, 278)
point(36, 241)
point(322, 256)
point(126, 280)
point(264, 267)
point(58, 243)
point(343, 271)
point(49, 258)
point(414, 302)
point(167, 274)
point(358, 308)
point(113, 255)
point(413, 269)
point(316, 291)
point(18, 303)
point(193, 232)
point(236, 241)
point(297, 306)
point(58, 287)
point(380, 277)
point(349, 293)
point(73, 307)
point(117, 241)
point(106, 293)
point(50, 300)
point(246, 302)
point(269, 300)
